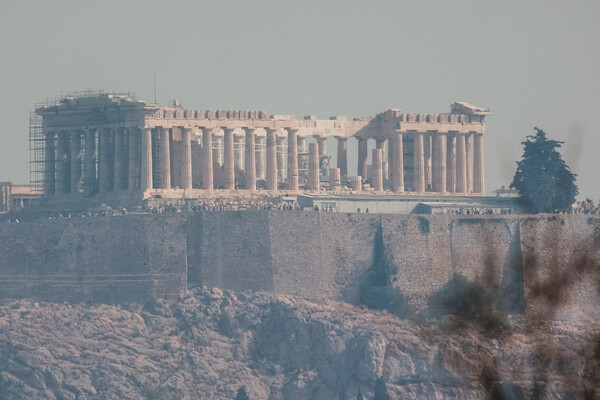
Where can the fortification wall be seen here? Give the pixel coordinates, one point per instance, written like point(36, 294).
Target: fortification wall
point(552, 260)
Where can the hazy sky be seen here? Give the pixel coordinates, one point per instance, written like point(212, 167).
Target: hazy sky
point(533, 63)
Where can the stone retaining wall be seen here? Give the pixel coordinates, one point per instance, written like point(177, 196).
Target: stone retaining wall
point(306, 254)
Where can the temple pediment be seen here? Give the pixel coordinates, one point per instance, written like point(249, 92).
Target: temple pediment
point(461, 107)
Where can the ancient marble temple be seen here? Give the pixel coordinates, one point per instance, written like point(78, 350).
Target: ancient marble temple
point(107, 143)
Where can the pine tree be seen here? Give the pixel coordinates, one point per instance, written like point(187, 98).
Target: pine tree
point(545, 183)
point(380, 392)
point(241, 394)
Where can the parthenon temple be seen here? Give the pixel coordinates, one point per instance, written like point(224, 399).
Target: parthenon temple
point(104, 143)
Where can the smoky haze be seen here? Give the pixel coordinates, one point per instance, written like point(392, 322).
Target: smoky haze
point(532, 63)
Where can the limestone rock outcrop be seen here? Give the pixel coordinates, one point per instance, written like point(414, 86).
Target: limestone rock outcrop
point(211, 342)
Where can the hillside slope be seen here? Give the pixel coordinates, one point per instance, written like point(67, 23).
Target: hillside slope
point(211, 342)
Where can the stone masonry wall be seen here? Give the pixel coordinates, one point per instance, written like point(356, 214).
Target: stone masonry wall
point(305, 254)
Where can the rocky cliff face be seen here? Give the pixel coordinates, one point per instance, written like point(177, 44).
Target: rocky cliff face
point(211, 342)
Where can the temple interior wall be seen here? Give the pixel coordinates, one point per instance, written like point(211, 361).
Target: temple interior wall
point(305, 254)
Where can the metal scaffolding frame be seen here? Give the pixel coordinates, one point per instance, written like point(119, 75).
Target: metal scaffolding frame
point(37, 142)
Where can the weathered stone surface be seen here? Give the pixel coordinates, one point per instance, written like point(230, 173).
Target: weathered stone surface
point(212, 341)
point(304, 254)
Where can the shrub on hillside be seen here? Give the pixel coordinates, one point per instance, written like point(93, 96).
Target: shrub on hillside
point(384, 298)
point(466, 300)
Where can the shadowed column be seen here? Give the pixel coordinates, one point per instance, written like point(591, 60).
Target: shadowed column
point(146, 159)
point(75, 160)
point(292, 178)
point(105, 160)
point(250, 170)
point(362, 157)
point(63, 166)
point(119, 158)
point(49, 164)
point(133, 166)
point(89, 168)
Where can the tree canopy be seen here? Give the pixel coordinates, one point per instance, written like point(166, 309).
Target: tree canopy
point(544, 181)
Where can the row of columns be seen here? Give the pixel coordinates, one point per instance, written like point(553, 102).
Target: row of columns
point(450, 156)
point(125, 160)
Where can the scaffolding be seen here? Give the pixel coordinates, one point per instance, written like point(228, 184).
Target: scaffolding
point(37, 147)
point(37, 142)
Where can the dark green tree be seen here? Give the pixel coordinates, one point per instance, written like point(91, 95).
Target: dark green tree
point(545, 183)
point(380, 392)
point(241, 394)
point(359, 395)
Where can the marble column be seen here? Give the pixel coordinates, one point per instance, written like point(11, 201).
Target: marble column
point(335, 178)
point(292, 176)
point(229, 181)
point(75, 160)
point(451, 162)
point(428, 161)
point(280, 141)
point(146, 159)
point(119, 152)
point(238, 149)
point(105, 161)
point(397, 149)
point(461, 164)
point(362, 157)
point(390, 159)
point(89, 168)
point(186, 158)
point(478, 171)
point(380, 144)
point(63, 165)
point(260, 157)
point(419, 164)
point(322, 151)
point(133, 167)
point(302, 159)
point(342, 156)
point(207, 168)
point(439, 164)
point(313, 167)
point(49, 164)
point(469, 163)
point(164, 156)
point(377, 170)
point(250, 167)
point(271, 159)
